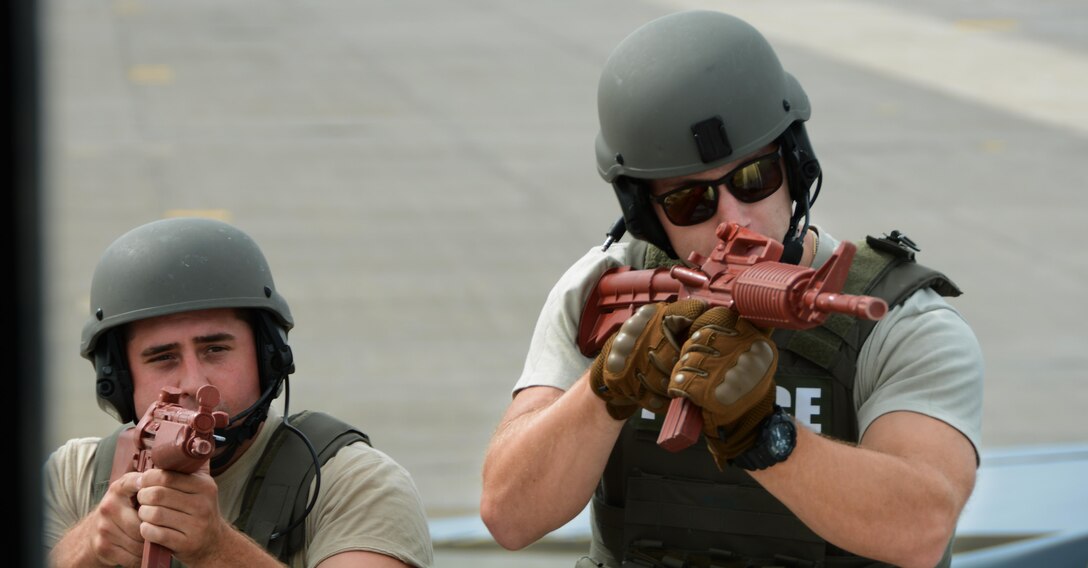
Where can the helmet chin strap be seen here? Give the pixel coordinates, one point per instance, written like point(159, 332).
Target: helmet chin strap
point(794, 242)
point(792, 250)
point(234, 435)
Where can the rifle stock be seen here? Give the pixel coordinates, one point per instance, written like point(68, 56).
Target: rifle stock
point(170, 437)
point(743, 273)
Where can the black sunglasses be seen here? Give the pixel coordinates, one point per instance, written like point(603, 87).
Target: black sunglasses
point(749, 182)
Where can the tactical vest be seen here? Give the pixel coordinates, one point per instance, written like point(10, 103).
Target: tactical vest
point(658, 508)
point(277, 491)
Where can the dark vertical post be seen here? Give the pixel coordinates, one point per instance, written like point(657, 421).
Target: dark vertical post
point(23, 301)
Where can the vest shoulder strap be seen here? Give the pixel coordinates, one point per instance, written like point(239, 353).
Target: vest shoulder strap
point(914, 278)
point(883, 267)
point(103, 464)
point(278, 489)
point(657, 258)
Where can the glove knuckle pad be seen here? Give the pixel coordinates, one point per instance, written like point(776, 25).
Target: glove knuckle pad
point(625, 341)
point(618, 354)
point(750, 369)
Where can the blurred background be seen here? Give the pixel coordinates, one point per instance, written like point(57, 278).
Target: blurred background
point(420, 172)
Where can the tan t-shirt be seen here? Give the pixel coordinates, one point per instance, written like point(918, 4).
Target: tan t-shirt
point(367, 501)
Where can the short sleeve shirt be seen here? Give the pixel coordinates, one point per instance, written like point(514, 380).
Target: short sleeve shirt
point(366, 501)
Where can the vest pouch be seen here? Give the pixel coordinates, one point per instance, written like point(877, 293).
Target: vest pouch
point(698, 516)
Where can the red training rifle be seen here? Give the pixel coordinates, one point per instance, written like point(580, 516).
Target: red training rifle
point(743, 273)
point(172, 438)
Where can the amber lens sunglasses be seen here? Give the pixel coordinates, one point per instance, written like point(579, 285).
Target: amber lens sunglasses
point(749, 182)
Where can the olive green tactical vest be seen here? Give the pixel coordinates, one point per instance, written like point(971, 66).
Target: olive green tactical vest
point(658, 508)
point(277, 491)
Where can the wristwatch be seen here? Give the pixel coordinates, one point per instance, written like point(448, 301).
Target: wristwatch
point(777, 437)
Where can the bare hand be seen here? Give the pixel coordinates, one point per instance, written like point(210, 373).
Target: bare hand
point(181, 512)
point(110, 535)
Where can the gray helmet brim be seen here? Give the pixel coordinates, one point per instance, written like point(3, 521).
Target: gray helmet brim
point(178, 265)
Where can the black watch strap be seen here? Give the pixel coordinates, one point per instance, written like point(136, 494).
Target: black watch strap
point(777, 437)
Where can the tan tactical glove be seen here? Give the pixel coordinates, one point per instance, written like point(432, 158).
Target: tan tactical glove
point(633, 368)
point(727, 368)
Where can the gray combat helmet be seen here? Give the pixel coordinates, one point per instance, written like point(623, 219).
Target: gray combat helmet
point(681, 71)
point(179, 265)
point(691, 91)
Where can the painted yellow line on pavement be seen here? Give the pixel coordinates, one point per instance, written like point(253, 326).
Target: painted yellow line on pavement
point(220, 214)
point(151, 74)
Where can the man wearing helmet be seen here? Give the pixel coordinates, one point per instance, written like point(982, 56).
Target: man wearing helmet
point(189, 302)
point(850, 444)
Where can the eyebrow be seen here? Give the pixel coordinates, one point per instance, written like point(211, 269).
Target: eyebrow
point(200, 340)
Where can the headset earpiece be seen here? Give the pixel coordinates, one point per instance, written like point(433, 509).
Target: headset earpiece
point(275, 359)
point(113, 384)
point(639, 216)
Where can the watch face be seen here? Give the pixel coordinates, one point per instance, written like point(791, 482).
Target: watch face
point(775, 443)
point(779, 443)
point(781, 438)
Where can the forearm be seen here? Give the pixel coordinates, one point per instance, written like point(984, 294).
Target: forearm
point(873, 503)
point(232, 548)
point(543, 464)
point(76, 548)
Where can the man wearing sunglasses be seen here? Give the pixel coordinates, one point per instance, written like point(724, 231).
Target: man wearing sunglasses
point(851, 444)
